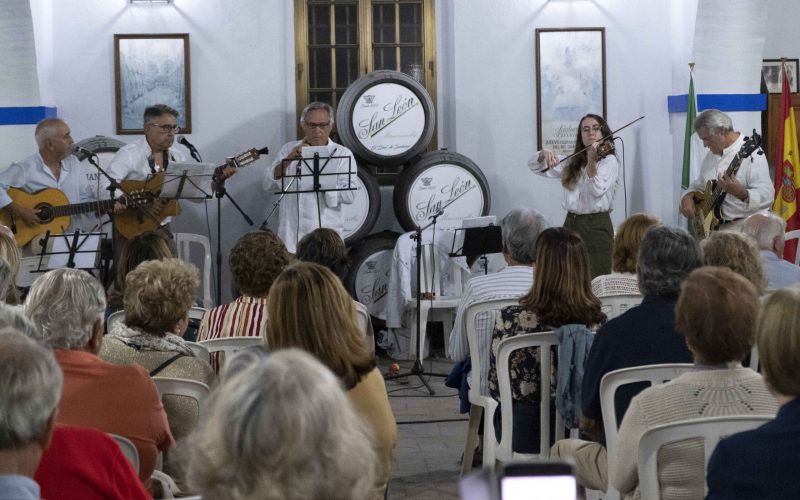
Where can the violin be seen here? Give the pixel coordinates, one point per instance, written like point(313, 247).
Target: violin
point(604, 149)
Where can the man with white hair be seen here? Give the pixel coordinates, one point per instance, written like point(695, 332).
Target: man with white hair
point(768, 230)
point(30, 387)
point(53, 166)
point(67, 306)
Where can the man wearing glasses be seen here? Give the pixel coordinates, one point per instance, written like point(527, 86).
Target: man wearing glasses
point(301, 213)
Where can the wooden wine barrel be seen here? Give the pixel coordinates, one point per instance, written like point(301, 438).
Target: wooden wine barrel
point(361, 215)
point(367, 279)
point(386, 117)
point(440, 180)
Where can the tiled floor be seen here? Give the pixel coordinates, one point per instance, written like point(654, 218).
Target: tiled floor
point(431, 434)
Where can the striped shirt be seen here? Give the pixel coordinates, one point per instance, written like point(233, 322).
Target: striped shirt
point(511, 282)
point(244, 317)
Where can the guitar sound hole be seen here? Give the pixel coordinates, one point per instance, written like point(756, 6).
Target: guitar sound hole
point(45, 213)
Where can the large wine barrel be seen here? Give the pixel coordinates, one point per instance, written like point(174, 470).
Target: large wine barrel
point(386, 118)
point(368, 277)
point(361, 215)
point(440, 180)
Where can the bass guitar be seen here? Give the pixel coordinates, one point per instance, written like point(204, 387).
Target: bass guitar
point(708, 203)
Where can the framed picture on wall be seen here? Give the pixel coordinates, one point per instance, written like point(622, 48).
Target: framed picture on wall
point(570, 82)
point(151, 69)
point(771, 74)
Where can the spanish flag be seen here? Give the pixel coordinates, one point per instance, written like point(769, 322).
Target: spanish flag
point(787, 168)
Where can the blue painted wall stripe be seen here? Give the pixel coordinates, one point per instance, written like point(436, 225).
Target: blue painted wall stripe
point(29, 115)
point(723, 102)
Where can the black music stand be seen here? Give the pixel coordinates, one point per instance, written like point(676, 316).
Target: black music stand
point(477, 242)
point(71, 250)
point(187, 181)
point(310, 176)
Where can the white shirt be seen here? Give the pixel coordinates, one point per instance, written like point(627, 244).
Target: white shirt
point(753, 174)
point(780, 273)
point(32, 175)
point(304, 212)
point(511, 282)
point(590, 195)
point(132, 162)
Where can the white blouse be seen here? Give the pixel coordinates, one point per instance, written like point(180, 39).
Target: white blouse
point(590, 195)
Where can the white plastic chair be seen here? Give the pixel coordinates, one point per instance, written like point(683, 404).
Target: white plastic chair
point(615, 305)
point(444, 307)
point(168, 386)
point(545, 341)
point(794, 235)
point(114, 318)
point(480, 401)
point(754, 360)
point(197, 312)
point(611, 381)
point(199, 351)
point(183, 242)
point(364, 322)
point(229, 345)
point(128, 449)
point(711, 429)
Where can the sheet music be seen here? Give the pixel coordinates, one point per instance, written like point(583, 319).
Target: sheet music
point(326, 165)
point(85, 257)
point(197, 184)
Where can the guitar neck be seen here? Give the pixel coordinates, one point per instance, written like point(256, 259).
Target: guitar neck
point(83, 208)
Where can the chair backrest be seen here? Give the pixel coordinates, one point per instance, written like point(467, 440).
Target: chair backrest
point(114, 318)
point(199, 350)
point(128, 449)
point(754, 360)
point(229, 345)
point(479, 348)
point(794, 235)
point(197, 313)
point(711, 429)
point(183, 242)
point(433, 269)
point(545, 341)
point(363, 320)
point(168, 386)
point(611, 381)
point(614, 305)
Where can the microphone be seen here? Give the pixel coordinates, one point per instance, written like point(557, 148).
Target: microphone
point(192, 150)
point(78, 150)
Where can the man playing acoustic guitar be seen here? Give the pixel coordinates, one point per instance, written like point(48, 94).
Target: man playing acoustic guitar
point(52, 167)
point(748, 191)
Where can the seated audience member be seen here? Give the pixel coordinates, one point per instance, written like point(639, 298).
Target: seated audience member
point(149, 245)
point(325, 247)
point(158, 295)
point(6, 279)
point(30, 387)
point(519, 229)
point(769, 232)
point(737, 252)
point(716, 313)
point(623, 280)
point(644, 335)
point(560, 295)
point(310, 309)
point(281, 428)
point(66, 306)
point(764, 463)
point(9, 252)
point(255, 261)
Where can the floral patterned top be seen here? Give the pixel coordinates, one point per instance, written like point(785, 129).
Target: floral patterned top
point(524, 363)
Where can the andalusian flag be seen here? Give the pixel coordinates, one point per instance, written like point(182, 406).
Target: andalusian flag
point(787, 168)
point(691, 115)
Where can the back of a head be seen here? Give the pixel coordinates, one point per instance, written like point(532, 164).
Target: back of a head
point(6, 279)
point(666, 257)
point(159, 294)
point(325, 247)
point(282, 428)
point(521, 228)
point(764, 227)
point(256, 260)
point(65, 304)
point(149, 245)
point(628, 240)
point(716, 313)
point(30, 388)
point(561, 291)
point(11, 254)
point(309, 308)
point(778, 334)
point(737, 252)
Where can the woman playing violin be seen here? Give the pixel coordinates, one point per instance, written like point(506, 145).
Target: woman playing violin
point(590, 179)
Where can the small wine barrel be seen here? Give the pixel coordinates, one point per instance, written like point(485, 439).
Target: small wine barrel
point(367, 279)
point(386, 118)
point(440, 180)
point(361, 215)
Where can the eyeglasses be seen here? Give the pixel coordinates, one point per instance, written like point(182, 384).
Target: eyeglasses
point(166, 128)
point(320, 126)
point(593, 128)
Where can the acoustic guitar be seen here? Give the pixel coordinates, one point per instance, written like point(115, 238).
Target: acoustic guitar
point(133, 221)
point(708, 203)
